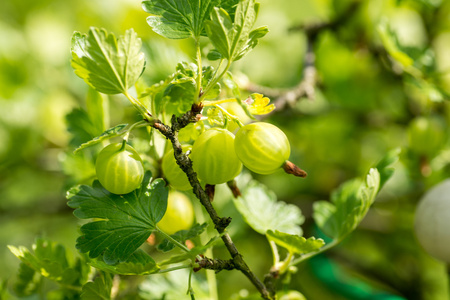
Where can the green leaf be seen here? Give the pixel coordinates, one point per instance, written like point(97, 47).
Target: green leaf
point(178, 19)
point(126, 220)
point(182, 236)
point(189, 133)
point(25, 284)
point(295, 243)
point(218, 30)
point(191, 255)
point(108, 134)
point(109, 65)
point(80, 168)
point(95, 109)
point(208, 76)
point(235, 39)
point(139, 263)
point(390, 42)
point(100, 288)
point(349, 204)
point(215, 116)
point(229, 82)
point(80, 126)
point(384, 165)
point(252, 41)
point(50, 260)
point(263, 212)
point(213, 54)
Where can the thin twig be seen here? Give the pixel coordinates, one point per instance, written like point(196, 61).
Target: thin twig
point(287, 97)
point(171, 133)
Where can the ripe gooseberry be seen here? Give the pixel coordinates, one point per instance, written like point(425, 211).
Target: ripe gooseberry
point(432, 221)
point(214, 158)
point(262, 147)
point(119, 168)
point(173, 173)
point(179, 214)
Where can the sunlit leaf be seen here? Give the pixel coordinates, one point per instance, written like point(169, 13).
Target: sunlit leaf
point(189, 133)
point(391, 44)
point(126, 221)
point(108, 134)
point(109, 65)
point(215, 116)
point(235, 39)
point(262, 211)
point(348, 206)
point(50, 260)
point(178, 19)
point(295, 243)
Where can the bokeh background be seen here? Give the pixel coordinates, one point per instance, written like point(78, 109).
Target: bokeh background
point(367, 102)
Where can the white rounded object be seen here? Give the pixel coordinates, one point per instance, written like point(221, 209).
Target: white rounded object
point(432, 221)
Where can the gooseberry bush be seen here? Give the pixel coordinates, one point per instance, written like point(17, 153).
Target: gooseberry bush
point(151, 212)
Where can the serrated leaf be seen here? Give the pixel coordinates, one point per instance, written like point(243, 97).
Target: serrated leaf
point(384, 165)
point(235, 39)
point(178, 19)
point(218, 30)
point(182, 236)
point(262, 211)
point(192, 253)
point(349, 204)
point(108, 134)
point(139, 263)
point(252, 41)
point(215, 116)
point(25, 284)
point(50, 260)
point(295, 243)
point(107, 64)
point(213, 54)
point(207, 77)
point(126, 220)
point(100, 288)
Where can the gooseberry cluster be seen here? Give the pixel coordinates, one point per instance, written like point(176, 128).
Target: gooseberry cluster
point(218, 155)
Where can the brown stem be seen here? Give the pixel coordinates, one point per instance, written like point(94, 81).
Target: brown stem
point(171, 133)
point(291, 168)
point(234, 188)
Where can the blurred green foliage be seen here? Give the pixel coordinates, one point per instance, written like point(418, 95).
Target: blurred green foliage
point(381, 72)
